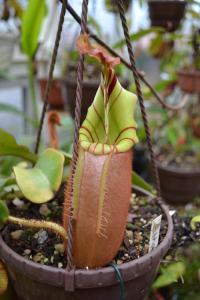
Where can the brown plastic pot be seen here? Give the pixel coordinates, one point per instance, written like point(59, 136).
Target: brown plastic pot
point(179, 186)
point(189, 81)
point(34, 281)
point(166, 13)
point(55, 99)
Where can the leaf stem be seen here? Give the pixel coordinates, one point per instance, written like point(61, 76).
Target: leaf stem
point(54, 227)
point(32, 90)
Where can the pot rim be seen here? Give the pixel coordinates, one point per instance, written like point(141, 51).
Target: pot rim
point(176, 170)
point(43, 78)
point(101, 277)
point(167, 2)
point(189, 72)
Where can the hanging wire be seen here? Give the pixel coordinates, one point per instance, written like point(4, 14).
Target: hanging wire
point(120, 280)
point(50, 77)
point(165, 105)
point(69, 192)
point(139, 94)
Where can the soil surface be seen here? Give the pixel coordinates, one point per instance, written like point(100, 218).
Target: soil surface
point(47, 248)
point(187, 160)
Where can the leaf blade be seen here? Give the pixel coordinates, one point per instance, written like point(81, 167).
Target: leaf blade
point(51, 164)
point(32, 20)
point(9, 147)
point(33, 184)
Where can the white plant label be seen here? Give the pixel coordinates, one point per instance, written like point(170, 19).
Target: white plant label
point(155, 232)
point(172, 212)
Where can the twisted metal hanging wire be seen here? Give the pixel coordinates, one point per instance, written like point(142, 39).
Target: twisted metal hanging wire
point(162, 102)
point(69, 191)
point(50, 77)
point(139, 94)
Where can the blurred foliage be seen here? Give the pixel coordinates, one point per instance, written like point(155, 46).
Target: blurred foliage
point(4, 214)
point(170, 274)
point(188, 269)
point(32, 20)
point(9, 147)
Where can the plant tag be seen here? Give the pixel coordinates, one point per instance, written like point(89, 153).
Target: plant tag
point(155, 232)
point(172, 212)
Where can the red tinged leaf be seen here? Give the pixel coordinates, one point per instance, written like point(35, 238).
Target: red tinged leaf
point(94, 50)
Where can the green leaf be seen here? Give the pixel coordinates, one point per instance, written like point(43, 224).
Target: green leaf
point(155, 44)
point(31, 26)
point(140, 182)
point(9, 147)
point(68, 157)
point(51, 164)
point(4, 213)
point(33, 184)
point(169, 275)
point(5, 182)
point(136, 36)
point(39, 183)
point(194, 221)
point(171, 135)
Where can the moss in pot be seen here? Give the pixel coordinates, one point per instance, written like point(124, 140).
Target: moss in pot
point(102, 178)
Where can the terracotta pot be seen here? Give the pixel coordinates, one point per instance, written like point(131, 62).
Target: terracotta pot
point(166, 14)
point(189, 81)
point(56, 100)
point(179, 186)
point(34, 281)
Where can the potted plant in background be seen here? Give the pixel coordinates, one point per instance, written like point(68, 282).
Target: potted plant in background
point(178, 157)
point(166, 13)
point(189, 76)
point(189, 81)
point(55, 99)
point(102, 177)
